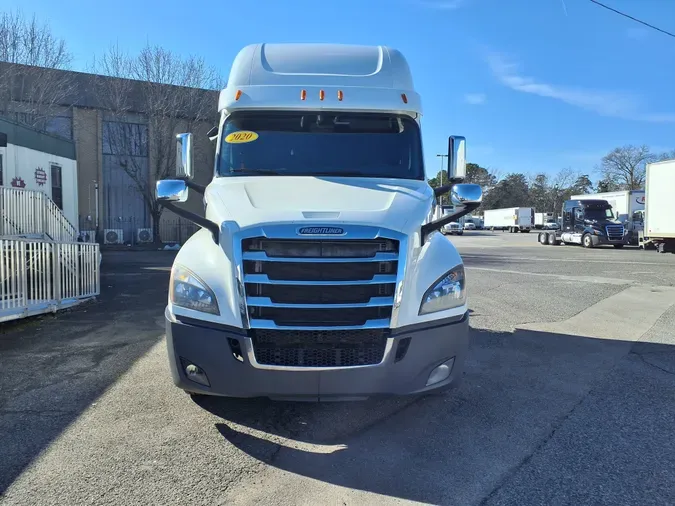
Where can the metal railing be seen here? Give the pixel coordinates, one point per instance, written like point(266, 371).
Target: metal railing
point(42, 276)
point(33, 213)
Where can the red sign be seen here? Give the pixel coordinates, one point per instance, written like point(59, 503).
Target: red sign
point(40, 176)
point(18, 182)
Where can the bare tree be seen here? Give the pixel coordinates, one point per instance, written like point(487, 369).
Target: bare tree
point(170, 94)
point(625, 166)
point(30, 87)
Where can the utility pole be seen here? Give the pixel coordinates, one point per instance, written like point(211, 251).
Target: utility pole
point(441, 157)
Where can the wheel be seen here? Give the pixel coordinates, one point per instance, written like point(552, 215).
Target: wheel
point(526, 231)
point(587, 241)
point(618, 246)
point(552, 239)
point(543, 238)
point(460, 233)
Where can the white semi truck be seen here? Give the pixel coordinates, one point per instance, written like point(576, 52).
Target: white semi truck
point(626, 207)
point(319, 272)
point(659, 213)
point(513, 219)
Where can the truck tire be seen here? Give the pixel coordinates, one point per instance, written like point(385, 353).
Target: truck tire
point(552, 239)
point(526, 231)
point(587, 241)
point(618, 246)
point(543, 238)
point(460, 233)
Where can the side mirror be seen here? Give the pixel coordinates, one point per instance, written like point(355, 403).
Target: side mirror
point(3, 140)
point(172, 190)
point(465, 193)
point(184, 156)
point(456, 157)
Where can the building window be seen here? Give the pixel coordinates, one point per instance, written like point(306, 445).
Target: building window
point(55, 125)
point(61, 126)
point(1, 175)
point(57, 189)
point(126, 139)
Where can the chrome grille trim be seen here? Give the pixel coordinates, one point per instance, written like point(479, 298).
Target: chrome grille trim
point(271, 325)
point(267, 302)
point(244, 262)
point(262, 257)
point(378, 279)
point(614, 232)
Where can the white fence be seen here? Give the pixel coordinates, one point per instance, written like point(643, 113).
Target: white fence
point(40, 277)
point(30, 212)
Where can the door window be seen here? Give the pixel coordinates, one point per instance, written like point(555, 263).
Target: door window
point(57, 190)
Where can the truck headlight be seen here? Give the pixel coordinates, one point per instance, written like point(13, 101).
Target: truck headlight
point(187, 290)
point(446, 293)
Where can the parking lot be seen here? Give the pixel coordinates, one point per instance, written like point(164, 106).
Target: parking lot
point(568, 398)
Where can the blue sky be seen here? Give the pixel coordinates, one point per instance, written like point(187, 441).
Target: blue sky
point(534, 85)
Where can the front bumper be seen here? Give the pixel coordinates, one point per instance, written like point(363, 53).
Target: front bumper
point(605, 241)
point(208, 347)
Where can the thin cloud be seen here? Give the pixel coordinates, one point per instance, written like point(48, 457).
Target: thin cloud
point(606, 103)
point(475, 98)
point(445, 5)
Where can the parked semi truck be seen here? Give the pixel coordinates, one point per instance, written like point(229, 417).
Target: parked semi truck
point(513, 219)
point(319, 271)
point(587, 222)
point(659, 213)
point(626, 207)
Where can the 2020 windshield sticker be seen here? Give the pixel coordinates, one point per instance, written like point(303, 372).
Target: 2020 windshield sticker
point(241, 137)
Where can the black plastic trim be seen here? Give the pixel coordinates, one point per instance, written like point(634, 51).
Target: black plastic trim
point(438, 224)
point(209, 325)
point(421, 327)
point(195, 218)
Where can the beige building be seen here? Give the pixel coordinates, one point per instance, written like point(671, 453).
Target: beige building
point(123, 133)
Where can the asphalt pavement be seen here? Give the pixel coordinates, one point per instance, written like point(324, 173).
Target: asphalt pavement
point(568, 398)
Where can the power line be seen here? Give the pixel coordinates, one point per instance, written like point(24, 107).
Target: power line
point(634, 19)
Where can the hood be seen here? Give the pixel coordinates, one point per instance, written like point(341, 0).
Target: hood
point(397, 204)
point(602, 223)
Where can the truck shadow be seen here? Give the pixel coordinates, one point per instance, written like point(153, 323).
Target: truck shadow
point(519, 390)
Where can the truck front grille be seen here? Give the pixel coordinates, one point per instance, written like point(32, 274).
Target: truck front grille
point(319, 348)
point(319, 283)
point(614, 232)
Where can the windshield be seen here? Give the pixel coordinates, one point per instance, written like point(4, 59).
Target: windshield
point(598, 214)
point(320, 144)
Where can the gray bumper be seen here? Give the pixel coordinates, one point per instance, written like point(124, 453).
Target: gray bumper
point(209, 348)
point(604, 241)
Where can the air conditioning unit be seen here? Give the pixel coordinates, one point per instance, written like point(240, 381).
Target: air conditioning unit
point(88, 235)
point(113, 236)
point(144, 235)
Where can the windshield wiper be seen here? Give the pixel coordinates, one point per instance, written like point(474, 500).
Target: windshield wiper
point(256, 171)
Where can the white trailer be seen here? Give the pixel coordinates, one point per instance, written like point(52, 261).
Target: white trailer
point(659, 224)
point(513, 219)
point(542, 219)
point(626, 207)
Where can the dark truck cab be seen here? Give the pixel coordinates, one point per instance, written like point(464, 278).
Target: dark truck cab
point(590, 223)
